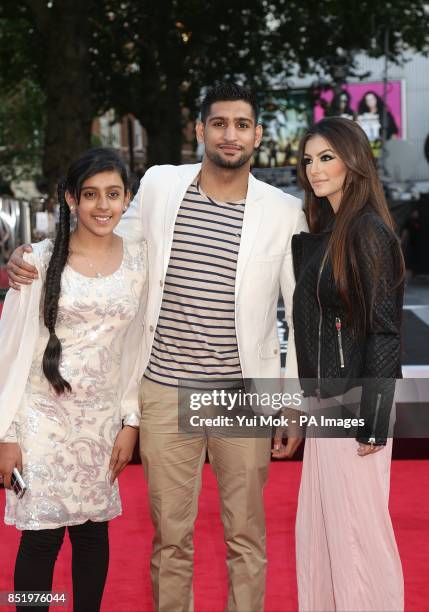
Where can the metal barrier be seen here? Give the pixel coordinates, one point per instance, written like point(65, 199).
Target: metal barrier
point(18, 224)
point(15, 226)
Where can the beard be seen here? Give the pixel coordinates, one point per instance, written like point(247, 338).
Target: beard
point(220, 162)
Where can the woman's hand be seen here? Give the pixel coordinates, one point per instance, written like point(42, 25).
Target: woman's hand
point(10, 457)
point(122, 450)
point(368, 449)
point(281, 451)
point(19, 271)
point(292, 431)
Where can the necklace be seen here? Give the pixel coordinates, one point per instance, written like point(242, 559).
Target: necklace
point(96, 273)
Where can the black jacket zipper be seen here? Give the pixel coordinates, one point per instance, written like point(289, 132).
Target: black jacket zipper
point(372, 439)
point(319, 348)
point(338, 326)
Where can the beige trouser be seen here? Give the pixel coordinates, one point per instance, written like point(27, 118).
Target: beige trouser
point(173, 463)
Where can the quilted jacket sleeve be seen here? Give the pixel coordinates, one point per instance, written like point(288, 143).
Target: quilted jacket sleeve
point(384, 300)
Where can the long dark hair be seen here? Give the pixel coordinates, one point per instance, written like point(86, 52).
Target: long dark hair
point(335, 109)
point(363, 105)
point(353, 234)
point(87, 165)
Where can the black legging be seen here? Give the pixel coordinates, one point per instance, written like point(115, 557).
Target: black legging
point(38, 552)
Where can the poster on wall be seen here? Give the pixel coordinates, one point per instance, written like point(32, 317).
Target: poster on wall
point(363, 102)
point(285, 116)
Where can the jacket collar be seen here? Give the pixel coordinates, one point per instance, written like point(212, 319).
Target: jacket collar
point(252, 215)
point(251, 221)
point(189, 172)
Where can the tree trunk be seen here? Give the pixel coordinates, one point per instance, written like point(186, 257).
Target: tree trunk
point(163, 122)
point(69, 110)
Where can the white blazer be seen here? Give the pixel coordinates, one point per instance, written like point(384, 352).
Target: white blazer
point(264, 265)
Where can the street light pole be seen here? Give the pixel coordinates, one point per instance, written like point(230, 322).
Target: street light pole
point(384, 113)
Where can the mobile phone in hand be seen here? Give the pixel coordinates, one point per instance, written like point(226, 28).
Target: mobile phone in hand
point(18, 484)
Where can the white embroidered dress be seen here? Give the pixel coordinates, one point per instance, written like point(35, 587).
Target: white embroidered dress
point(67, 440)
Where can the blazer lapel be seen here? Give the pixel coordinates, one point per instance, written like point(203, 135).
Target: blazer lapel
point(185, 177)
point(251, 223)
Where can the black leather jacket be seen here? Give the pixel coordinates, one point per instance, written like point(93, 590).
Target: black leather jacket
point(331, 358)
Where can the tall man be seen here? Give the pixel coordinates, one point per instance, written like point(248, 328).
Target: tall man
point(219, 245)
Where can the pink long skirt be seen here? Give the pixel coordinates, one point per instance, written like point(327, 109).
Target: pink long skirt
point(347, 557)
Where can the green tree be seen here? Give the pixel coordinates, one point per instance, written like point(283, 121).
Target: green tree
point(47, 43)
point(166, 51)
point(333, 32)
point(152, 57)
point(21, 131)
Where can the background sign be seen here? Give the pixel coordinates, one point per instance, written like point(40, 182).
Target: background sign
point(363, 102)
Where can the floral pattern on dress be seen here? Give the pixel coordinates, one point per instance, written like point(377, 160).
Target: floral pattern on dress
point(67, 440)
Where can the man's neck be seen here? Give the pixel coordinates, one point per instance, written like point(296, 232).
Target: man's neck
point(224, 184)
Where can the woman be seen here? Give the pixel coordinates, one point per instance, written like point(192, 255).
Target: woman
point(347, 319)
point(69, 373)
point(340, 106)
point(371, 110)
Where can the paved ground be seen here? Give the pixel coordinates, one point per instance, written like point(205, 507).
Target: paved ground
point(417, 298)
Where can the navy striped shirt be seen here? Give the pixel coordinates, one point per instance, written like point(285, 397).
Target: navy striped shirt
point(195, 337)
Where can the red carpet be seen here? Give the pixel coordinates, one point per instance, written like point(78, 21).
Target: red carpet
point(128, 588)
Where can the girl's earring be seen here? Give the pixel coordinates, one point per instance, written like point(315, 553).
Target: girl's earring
point(73, 218)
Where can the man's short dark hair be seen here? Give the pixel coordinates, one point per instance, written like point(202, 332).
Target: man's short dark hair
point(228, 92)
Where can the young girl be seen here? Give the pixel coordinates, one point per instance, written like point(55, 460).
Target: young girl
point(69, 373)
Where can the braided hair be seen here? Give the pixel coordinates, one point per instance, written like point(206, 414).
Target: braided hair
point(87, 165)
point(52, 355)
